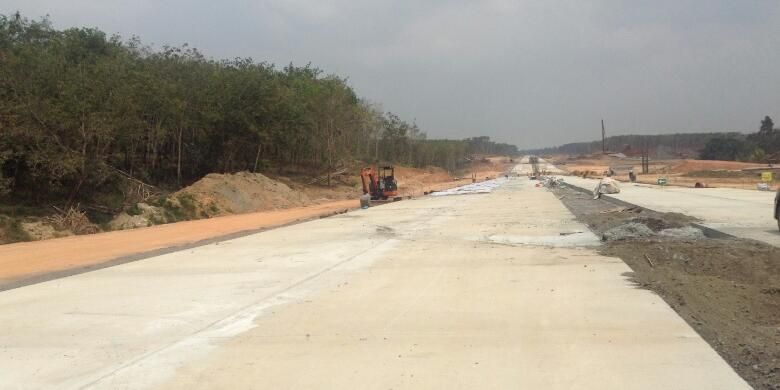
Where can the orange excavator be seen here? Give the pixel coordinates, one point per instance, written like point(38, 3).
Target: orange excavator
point(380, 184)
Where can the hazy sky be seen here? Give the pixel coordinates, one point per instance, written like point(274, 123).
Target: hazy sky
point(528, 72)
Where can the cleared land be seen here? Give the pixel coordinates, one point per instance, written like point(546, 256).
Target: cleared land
point(678, 172)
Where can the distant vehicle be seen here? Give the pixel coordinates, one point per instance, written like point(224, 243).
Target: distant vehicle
point(534, 166)
point(777, 207)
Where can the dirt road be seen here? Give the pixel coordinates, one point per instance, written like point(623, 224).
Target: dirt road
point(499, 290)
point(28, 262)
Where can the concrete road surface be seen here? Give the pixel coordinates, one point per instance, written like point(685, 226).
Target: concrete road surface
point(491, 291)
point(741, 213)
point(524, 168)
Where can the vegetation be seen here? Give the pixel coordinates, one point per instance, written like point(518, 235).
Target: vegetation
point(659, 146)
point(81, 112)
point(756, 147)
point(725, 148)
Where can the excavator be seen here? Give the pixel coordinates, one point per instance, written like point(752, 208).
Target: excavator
point(380, 184)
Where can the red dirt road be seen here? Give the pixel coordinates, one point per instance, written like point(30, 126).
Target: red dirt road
point(26, 260)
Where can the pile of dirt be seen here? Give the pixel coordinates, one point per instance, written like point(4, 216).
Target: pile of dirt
point(727, 289)
point(235, 193)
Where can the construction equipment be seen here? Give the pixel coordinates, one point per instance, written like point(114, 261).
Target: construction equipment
point(534, 167)
point(380, 184)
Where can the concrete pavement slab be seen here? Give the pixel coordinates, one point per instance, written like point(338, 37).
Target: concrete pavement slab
point(414, 294)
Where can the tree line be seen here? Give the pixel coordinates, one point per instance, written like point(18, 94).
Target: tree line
point(80, 109)
point(658, 146)
point(755, 147)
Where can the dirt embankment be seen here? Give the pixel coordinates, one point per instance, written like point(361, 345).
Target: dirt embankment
point(226, 194)
point(727, 289)
point(238, 193)
point(212, 201)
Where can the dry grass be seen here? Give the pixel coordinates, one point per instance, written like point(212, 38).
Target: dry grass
point(72, 219)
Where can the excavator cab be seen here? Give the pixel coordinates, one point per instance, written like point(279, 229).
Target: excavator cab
point(380, 184)
point(388, 185)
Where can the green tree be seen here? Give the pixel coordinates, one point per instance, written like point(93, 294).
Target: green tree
point(730, 149)
point(767, 126)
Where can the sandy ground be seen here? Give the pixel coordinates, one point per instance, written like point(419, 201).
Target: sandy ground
point(501, 290)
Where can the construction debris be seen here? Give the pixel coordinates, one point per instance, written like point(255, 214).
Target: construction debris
point(652, 265)
point(606, 185)
point(626, 231)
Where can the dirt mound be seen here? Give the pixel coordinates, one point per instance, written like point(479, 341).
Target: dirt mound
point(242, 192)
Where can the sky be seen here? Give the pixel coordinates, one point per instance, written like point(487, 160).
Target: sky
point(532, 73)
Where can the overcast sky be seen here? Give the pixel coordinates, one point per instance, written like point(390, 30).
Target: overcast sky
point(528, 72)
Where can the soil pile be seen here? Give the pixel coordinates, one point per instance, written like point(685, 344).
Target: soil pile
point(242, 192)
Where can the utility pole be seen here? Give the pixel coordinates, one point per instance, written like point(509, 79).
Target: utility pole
point(603, 138)
point(646, 157)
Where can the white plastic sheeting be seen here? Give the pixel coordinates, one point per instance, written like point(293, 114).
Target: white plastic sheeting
point(484, 187)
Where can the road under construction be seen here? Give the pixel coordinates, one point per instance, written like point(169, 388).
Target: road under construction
point(494, 287)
